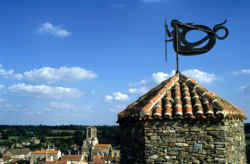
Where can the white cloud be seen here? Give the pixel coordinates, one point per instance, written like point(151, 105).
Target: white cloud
point(51, 75)
point(242, 72)
point(140, 90)
point(132, 90)
point(242, 88)
point(45, 91)
point(118, 96)
point(9, 74)
point(200, 76)
point(6, 73)
point(143, 82)
point(108, 98)
point(140, 87)
point(18, 76)
point(1, 86)
point(49, 28)
point(159, 76)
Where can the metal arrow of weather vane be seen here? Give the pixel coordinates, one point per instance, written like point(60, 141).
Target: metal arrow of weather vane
point(186, 48)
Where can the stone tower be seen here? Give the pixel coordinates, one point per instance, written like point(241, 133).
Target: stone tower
point(179, 121)
point(90, 141)
point(91, 132)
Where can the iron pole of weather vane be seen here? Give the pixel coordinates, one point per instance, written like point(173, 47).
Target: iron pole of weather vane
point(186, 48)
point(177, 55)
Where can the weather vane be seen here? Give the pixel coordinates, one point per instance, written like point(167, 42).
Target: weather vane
point(186, 48)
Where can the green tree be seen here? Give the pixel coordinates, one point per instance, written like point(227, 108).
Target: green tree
point(23, 162)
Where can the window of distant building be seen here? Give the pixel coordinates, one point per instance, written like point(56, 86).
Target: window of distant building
point(89, 132)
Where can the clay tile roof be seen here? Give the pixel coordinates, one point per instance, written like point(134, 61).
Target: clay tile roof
point(101, 148)
point(180, 97)
point(5, 157)
point(71, 157)
point(53, 162)
point(103, 145)
point(19, 151)
point(92, 127)
point(100, 151)
point(97, 160)
point(45, 152)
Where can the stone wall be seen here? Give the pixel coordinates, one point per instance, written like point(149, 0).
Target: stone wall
point(197, 142)
point(236, 147)
point(182, 141)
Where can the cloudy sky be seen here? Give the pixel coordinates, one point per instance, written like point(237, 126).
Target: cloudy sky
point(83, 61)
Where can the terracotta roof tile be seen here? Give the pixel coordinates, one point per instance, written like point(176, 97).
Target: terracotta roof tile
point(53, 162)
point(5, 157)
point(104, 160)
point(101, 148)
point(180, 97)
point(97, 160)
point(102, 145)
point(18, 151)
point(92, 127)
point(45, 152)
point(72, 157)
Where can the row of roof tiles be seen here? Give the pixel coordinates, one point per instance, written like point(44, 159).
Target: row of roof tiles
point(72, 158)
point(180, 97)
point(104, 160)
point(101, 148)
point(45, 152)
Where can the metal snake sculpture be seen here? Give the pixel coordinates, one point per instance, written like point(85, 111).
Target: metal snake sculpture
point(183, 47)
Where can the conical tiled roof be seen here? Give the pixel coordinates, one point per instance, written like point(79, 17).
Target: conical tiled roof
point(180, 97)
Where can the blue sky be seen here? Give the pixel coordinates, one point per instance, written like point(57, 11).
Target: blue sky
point(83, 61)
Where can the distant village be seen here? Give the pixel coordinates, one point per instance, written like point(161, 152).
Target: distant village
point(90, 152)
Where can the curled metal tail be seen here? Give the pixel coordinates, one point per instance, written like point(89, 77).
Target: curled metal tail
point(220, 24)
point(221, 27)
point(183, 47)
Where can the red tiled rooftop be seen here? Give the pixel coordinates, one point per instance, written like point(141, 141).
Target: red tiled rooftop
point(97, 160)
point(6, 158)
point(103, 145)
point(180, 97)
point(92, 127)
point(45, 152)
point(71, 157)
point(19, 151)
point(53, 162)
point(100, 150)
